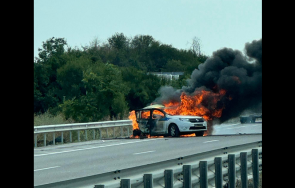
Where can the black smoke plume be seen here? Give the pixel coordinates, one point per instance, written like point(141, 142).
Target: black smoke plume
point(228, 69)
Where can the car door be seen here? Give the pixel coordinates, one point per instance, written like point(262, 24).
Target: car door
point(157, 122)
point(142, 118)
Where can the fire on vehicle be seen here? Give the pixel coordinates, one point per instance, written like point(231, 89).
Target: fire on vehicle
point(154, 121)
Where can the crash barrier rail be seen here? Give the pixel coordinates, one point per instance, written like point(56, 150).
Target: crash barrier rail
point(47, 129)
point(214, 168)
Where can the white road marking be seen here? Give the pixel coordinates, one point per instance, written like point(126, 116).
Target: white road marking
point(38, 155)
point(46, 168)
point(211, 141)
point(143, 152)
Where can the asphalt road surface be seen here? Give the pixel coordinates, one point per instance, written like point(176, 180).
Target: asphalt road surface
point(69, 161)
point(237, 128)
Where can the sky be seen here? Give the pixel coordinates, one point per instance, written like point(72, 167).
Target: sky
point(216, 23)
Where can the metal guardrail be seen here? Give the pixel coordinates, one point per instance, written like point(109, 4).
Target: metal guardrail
point(213, 168)
point(46, 129)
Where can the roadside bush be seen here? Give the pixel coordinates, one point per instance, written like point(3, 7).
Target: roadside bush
point(48, 119)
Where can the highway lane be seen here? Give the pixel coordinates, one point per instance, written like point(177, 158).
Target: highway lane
point(237, 128)
point(63, 162)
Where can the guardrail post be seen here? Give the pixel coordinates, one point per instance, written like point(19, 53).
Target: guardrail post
point(93, 132)
point(78, 135)
point(121, 129)
point(231, 171)
point(148, 180)
point(114, 132)
point(255, 168)
point(218, 172)
point(62, 137)
point(85, 134)
point(44, 139)
point(187, 176)
point(35, 140)
point(125, 183)
point(53, 138)
point(99, 134)
point(244, 169)
point(70, 136)
point(203, 174)
point(168, 175)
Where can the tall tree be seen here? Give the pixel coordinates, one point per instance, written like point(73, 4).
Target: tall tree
point(118, 41)
point(51, 47)
point(70, 76)
point(45, 73)
point(196, 46)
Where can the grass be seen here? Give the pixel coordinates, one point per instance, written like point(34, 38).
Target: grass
point(250, 182)
point(49, 119)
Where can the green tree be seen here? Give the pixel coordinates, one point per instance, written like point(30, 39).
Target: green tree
point(45, 74)
point(173, 66)
point(108, 78)
point(70, 77)
point(143, 87)
point(104, 97)
point(118, 41)
point(140, 44)
point(160, 54)
point(119, 45)
point(51, 47)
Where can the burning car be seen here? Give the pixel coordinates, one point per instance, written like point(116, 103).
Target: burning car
point(153, 120)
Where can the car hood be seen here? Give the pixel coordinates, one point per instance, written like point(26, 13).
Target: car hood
point(183, 116)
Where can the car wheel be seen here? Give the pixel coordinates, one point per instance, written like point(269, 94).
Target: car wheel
point(199, 133)
point(137, 132)
point(174, 131)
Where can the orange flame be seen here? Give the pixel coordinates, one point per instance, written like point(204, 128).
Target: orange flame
point(201, 103)
point(132, 117)
point(188, 135)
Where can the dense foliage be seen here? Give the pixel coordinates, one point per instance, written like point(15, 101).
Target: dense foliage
point(105, 80)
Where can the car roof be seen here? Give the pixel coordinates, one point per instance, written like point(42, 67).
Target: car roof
point(154, 106)
point(141, 109)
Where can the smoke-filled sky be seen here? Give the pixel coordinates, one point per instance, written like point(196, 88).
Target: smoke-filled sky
point(217, 23)
point(229, 70)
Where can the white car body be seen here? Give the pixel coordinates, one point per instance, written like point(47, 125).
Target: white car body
point(158, 122)
point(185, 124)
